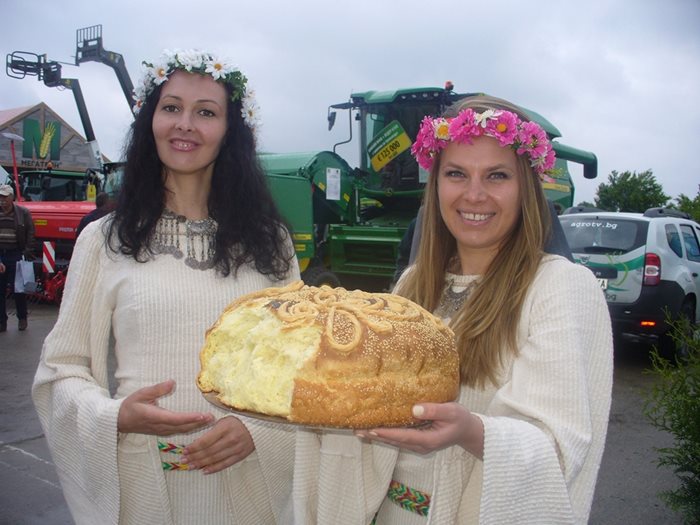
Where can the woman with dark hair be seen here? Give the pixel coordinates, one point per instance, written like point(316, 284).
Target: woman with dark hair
point(524, 440)
point(194, 228)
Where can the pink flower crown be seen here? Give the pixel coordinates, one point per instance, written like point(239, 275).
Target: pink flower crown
point(526, 138)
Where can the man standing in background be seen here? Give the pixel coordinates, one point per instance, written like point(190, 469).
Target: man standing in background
point(103, 206)
point(16, 240)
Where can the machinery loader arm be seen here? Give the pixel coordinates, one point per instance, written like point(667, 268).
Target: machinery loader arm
point(88, 48)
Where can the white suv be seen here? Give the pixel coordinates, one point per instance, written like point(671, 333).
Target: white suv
point(647, 264)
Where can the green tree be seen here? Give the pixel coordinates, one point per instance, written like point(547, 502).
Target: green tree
point(586, 204)
point(690, 206)
point(630, 191)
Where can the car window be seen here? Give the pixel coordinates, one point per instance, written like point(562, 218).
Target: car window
point(603, 235)
point(673, 239)
point(692, 247)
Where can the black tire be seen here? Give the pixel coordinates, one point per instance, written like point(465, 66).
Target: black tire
point(318, 276)
point(678, 351)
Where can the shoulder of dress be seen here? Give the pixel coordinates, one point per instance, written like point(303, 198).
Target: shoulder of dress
point(402, 279)
point(559, 271)
point(557, 264)
point(93, 236)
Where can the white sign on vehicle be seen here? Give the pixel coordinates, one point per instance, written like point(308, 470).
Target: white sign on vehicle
point(332, 184)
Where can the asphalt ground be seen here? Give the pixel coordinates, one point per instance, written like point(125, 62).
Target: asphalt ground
point(30, 492)
point(628, 483)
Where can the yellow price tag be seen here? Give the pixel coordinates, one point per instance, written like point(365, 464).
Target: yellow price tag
point(387, 145)
point(391, 151)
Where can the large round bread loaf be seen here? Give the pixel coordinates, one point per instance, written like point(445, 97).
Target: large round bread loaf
point(329, 357)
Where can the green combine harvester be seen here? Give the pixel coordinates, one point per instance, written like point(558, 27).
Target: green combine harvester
point(348, 221)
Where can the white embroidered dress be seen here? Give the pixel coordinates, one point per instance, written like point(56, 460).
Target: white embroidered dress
point(544, 430)
point(158, 312)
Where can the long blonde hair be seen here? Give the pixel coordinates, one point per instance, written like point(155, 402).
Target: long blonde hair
point(486, 325)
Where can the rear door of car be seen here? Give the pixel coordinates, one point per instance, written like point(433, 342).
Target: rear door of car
point(613, 247)
point(691, 243)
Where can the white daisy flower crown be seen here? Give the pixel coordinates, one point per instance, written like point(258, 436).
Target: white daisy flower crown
point(203, 63)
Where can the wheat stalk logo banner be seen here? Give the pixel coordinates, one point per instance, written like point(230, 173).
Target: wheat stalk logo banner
point(41, 144)
point(49, 133)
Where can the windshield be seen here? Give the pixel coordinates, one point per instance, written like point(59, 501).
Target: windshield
point(41, 187)
point(113, 181)
point(603, 235)
point(401, 122)
point(408, 115)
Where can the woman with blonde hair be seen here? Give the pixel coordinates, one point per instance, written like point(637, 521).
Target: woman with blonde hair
point(524, 440)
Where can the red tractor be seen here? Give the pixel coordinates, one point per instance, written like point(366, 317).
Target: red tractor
point(58, 200)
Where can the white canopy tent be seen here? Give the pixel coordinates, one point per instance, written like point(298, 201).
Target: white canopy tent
point(4, 176)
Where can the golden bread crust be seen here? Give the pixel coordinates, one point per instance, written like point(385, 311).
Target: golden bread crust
point(378, 355)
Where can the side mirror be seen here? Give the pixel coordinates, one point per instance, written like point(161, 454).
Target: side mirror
point(331, 120)
point(590, 171)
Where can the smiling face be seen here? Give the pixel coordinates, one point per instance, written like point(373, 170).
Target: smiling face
point(189, 124)
point(478, 190)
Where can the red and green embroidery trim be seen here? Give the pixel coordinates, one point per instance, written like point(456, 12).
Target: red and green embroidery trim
point(164, 446)
point(409, 499)
point(171, 448)
point(174, 465)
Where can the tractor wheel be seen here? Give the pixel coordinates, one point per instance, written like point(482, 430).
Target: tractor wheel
point(318, 276)
point(672, 349)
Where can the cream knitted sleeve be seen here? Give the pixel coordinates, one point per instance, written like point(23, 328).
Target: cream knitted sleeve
point(70, 390)
point(545, 428)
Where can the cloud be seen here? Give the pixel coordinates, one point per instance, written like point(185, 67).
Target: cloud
point(617, 79)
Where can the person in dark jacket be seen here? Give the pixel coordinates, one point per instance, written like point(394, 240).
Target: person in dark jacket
point(103, 206)
point(16, 240)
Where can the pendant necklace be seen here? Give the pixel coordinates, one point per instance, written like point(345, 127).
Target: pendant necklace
point(452, 301)
point(198, 249)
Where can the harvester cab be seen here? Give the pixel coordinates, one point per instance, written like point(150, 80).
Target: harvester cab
point(388, 123)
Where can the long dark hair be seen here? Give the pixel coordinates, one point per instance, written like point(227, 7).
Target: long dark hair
point(250, 229)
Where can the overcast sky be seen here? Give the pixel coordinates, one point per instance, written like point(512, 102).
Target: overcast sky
point(618, 78)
